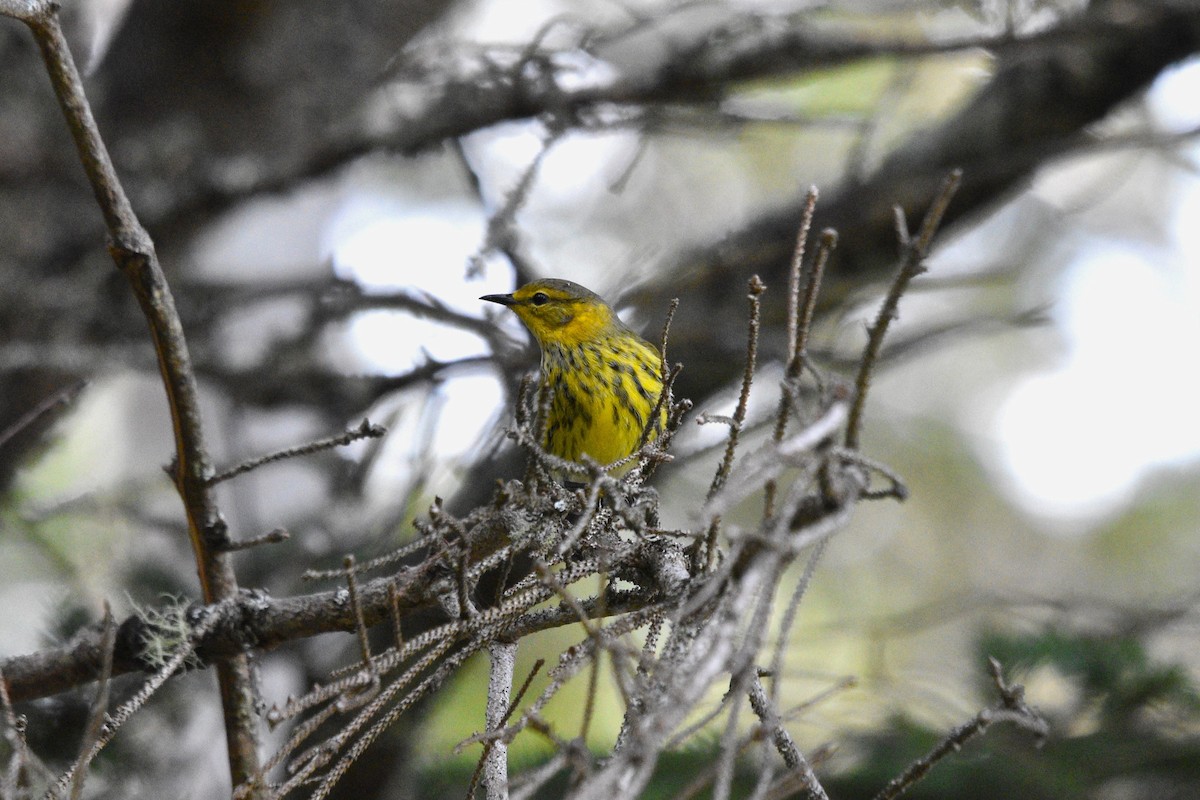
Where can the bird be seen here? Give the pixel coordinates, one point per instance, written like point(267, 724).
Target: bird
point(606, 381)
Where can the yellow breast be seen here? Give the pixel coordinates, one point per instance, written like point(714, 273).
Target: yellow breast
point(604, 395)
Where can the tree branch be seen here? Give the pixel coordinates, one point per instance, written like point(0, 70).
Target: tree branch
point(133, 252)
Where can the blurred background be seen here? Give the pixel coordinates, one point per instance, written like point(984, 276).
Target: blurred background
point(332, 188)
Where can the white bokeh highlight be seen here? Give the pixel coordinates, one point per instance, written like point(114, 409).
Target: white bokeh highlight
point(1078, 439)
point(421, 248)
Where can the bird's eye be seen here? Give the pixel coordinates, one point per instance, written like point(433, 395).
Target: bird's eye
point(539, 299)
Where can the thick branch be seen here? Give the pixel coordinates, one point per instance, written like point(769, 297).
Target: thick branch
point(254, 621)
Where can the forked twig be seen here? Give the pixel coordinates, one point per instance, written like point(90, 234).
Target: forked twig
point(1010, 708)
point(912, 264)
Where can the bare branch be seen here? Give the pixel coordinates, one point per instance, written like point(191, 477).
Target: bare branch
point(495, 759)
point(270, 537)
point(757, 287)
point(99, 709)
point(133, 252)
point(791, 754)
point(364, 431)
point(1011, 708)
point(48, 406)
point(912, 264)
point(113, 724)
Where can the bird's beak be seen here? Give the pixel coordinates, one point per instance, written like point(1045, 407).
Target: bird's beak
point(502, 299)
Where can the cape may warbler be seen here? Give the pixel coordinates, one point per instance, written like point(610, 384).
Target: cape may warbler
point(605, 379)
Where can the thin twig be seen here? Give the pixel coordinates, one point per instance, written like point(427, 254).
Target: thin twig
point(531, 782)
point(394, 607)
point(912, 264)
point(896, 487)
point(364, 431)
point(729, 743)
point(1010, 708)
point(48, 406)
point(99, 708)
point(17, 773)
point(359, 694)
point(812, 289)
point(789, 618)
point(387, 559)
point(501, 236)
point(799, 318)
point(756, 288)
point(793, 296)
point(512, 707)
point(667, 375)
point(651, 457)
point(384, 720)
point(270, 537)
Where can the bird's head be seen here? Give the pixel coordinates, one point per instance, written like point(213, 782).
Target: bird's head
point(559, 312)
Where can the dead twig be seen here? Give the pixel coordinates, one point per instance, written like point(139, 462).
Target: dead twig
point(365, 430)
point(912, 264)
point(1010, 708)
point(51, 404)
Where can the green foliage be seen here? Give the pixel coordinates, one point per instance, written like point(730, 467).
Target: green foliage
point(1113, 673)
point(1131, 730)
